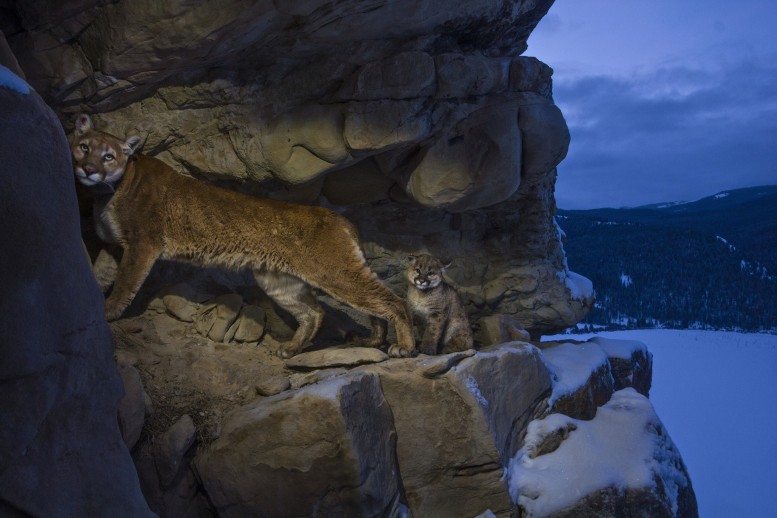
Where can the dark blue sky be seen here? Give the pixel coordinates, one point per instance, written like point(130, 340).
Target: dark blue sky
point(666, 100)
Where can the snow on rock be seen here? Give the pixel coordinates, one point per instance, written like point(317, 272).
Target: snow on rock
point(580, 288)
point(625, 448)
point(572, 365)
point(631, 364)
point(624, 349)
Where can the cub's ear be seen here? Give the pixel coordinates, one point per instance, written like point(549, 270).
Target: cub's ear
point(446, 264)
point(83, 124)
point(130, 145)
point(411, 258)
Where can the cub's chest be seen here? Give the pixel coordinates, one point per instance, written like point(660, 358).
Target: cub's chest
point(426, 302)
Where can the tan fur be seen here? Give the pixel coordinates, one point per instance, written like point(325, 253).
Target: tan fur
point(157, 213)
point(446, 326)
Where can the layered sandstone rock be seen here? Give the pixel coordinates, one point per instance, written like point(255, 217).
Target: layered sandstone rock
point(430, 131)
point(425, 126)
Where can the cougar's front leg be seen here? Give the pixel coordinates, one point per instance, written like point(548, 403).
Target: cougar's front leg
point(133, 270)
point(105, 266)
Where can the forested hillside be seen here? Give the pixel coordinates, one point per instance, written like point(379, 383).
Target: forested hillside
point(710, 263)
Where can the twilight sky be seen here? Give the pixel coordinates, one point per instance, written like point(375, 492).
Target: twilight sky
point(666, 100)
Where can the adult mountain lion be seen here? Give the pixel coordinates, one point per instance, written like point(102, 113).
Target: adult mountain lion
point(153, 213)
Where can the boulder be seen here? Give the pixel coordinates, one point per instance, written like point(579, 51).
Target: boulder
point(621, 463)
point(631, 363)
point(215, 318)
point(61, 450)
point(249, 325)
point(498, 329)
point(133, 406)
point(476, 165)
point(455, 430)
point(272, 385)
point(325, 450)
point(181, 301)
point(384, 124)
point(336, 357)
point(171, 448)
point(582, 378)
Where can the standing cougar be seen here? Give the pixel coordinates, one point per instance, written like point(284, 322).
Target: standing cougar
point(155, 213)
point(445, 321)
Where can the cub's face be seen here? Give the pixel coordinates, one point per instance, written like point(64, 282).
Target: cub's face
point(99, 157)
point(424, 271)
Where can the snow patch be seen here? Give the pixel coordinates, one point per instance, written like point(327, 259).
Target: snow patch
point(13, 82)
point(571, 365)
point(731, 248)
point(624, 446)
point(671, 204)
point(721, 195)
point(623, 349)
point(580, 288)
point(626, 280)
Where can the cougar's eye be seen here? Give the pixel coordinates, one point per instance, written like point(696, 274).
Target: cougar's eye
point(418, 271)
point(108, 157)
point(84, 148)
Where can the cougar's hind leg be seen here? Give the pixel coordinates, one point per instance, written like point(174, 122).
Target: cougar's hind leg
point(461, 340)
point(379, 330)
point(296, 297)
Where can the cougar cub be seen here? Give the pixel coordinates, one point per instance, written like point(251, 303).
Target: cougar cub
point(446, 327)
point(155, 213)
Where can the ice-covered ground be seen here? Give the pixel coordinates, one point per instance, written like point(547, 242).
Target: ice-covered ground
point(716, 393)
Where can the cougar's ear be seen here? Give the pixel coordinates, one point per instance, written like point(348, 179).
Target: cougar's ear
point(83, 124)
point(411, 258)
point(131, 145)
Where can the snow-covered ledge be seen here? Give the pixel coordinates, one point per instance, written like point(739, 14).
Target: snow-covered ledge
point(618, 460)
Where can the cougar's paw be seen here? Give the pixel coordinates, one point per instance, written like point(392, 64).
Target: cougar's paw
point(397, 351)
point(112, 313)
point(287, 350)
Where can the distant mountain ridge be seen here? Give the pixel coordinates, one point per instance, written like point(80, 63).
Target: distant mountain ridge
point(710, 263)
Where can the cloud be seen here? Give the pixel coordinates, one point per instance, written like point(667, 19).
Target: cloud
point(674, 133)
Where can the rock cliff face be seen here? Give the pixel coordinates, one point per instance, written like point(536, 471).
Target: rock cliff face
point(430, 131)
point(424, 125)
point(551, 429)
